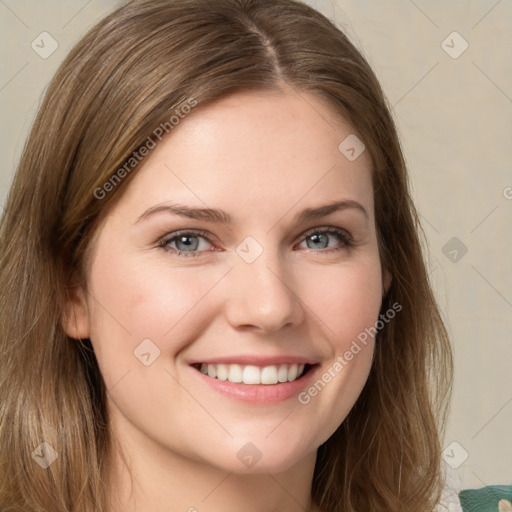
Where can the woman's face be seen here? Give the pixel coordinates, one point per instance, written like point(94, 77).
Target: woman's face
point(269, 282)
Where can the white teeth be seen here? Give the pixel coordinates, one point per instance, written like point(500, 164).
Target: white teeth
point(292, 372)
point(234, 373)
point(282, 374)
point(222, 372)
point(253, 375)
point(212, 371)
point(269, 375)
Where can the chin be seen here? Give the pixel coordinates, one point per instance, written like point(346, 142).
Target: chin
point(262, 456)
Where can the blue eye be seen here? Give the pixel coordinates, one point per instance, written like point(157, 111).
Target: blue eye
point(188, 243)
point(319, 239)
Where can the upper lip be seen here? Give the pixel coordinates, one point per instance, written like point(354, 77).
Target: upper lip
point(256, 360)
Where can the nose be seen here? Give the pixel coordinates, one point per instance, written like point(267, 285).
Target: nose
point(261, 295)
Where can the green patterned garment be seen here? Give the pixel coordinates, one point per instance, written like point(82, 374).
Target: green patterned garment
point(486, 499)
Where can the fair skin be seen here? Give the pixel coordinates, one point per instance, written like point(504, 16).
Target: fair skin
point(262, 158)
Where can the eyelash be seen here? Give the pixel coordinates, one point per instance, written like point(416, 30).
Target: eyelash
point(344, 237)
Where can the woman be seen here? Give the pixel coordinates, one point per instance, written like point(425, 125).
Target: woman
point(213, 292)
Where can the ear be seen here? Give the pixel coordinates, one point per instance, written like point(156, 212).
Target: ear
point(75, 314)
point(386, 281)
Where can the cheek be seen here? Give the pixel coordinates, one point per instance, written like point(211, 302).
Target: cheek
point(345, 299)
point(347, 307)
point(133, 301)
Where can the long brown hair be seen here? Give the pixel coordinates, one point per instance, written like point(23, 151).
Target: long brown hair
point(126, 77)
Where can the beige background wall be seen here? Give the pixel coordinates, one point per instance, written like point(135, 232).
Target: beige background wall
point(455, 119)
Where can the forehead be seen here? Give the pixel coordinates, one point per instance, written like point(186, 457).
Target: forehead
point(252, 153)
point(267, 125)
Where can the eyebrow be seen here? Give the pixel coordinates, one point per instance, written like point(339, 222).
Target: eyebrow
point(220, 216)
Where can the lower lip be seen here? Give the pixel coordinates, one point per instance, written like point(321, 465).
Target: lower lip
point(259, 393)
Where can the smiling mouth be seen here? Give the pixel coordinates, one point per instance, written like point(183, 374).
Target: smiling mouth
point(254, 375)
